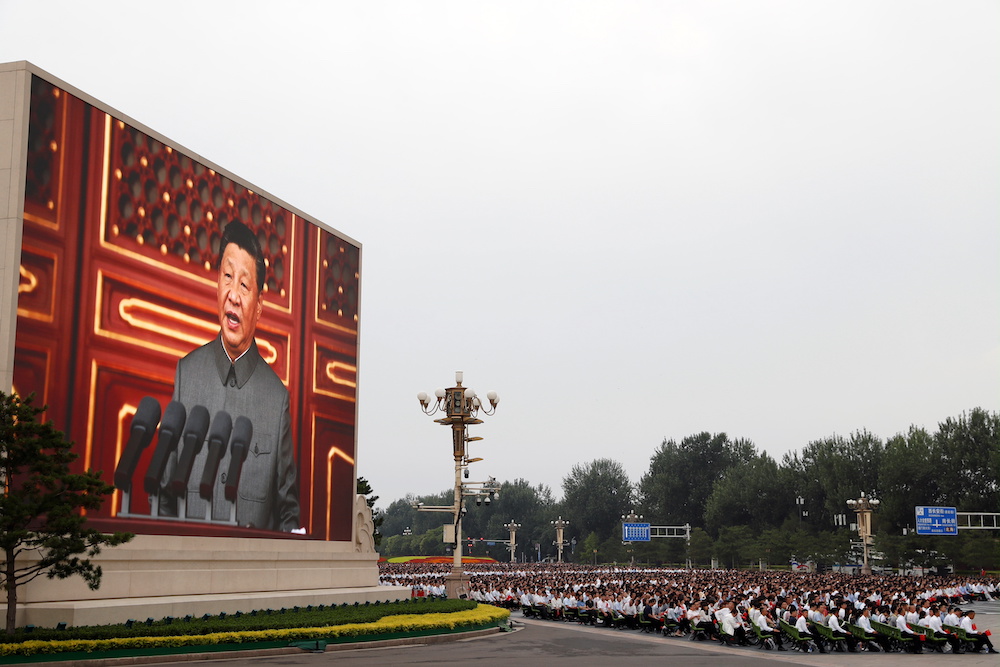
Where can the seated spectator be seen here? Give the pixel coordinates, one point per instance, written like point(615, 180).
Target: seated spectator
point(932, 622)
point(980, 637)
point(904, 629)
point(805, 632)
point(649, 615)
point(699, 620)
point(864, 622)
point(766, 630)
point(833, 622)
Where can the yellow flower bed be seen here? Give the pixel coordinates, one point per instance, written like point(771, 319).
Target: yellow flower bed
point(481, 615)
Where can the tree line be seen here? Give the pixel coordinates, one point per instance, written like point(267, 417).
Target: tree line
point(743, 506)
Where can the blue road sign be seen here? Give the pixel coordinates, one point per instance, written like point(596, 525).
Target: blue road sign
point(936, 520)
point(635, 532)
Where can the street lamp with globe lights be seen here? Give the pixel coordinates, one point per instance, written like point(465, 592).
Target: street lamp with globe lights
point(512, 527)
point(560, 525)
point(864, 507)
point(461, 407)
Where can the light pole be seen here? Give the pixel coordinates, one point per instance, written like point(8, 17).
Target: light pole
point(631, 517)
point(512, 527)
point(864, 507)
point(560, 525)
point(461, 406)
point(801, 502)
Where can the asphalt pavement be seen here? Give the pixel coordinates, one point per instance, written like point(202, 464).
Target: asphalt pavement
point(556, 644)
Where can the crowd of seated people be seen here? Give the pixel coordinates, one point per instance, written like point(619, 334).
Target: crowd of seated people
point(771, 609)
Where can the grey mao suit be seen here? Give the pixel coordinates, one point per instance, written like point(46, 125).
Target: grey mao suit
point(268, 491)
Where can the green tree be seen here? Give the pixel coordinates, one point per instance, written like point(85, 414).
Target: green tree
point(830, 471)
point(521, 503)
point(613, 550)
point(668, 551)
point(774, 545)
point(431, 542)
point(590, 551)
point(749, 493)
point(42, 528)
point(979, 552)
point(701, 548)
point(909, 477)
point(681, 476)
point(394, 545)
point(967, 461)
point(828, 547)
point(595, 496)
point(735, 546)
point(402, 513)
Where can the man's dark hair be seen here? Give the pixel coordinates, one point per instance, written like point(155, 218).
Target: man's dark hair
point(238, 233)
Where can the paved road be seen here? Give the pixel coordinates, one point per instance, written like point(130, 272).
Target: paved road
point(554, 644)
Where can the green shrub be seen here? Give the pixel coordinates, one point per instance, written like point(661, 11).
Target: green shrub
point(420, 623)
point(254, 620)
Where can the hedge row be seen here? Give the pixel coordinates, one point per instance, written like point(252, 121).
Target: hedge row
point(481, 615)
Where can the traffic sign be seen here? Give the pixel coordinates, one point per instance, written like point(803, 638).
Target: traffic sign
point(936, 520)
point(635, 532)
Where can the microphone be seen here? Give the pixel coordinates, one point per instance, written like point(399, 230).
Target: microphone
point(242, 435)
point(191, 439)
point(170, 432)
point(147, 416)
point(218, 440)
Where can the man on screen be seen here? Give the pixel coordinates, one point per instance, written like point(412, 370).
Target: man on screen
point(229, 374)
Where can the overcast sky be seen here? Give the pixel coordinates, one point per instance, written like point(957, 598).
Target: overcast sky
point(634, 220)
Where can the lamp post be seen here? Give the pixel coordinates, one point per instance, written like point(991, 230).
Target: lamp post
point(461, 406)
point(560, 525)
point(801, 502)
point(512, 527)
point(864, 507)
point(631, 517)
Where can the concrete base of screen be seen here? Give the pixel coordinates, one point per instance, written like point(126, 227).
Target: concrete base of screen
point(456, 584)
point(154, 576)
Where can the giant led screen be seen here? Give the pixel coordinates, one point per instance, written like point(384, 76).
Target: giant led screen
point(194, 339)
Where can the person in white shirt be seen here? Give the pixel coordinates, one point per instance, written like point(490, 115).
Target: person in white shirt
point(833, 622)
point(987, 590)
point(818, 614)
point(677, 616)
point(901, 625)
point(979, 637)
point(699, 620)
point(729, 624)
point(879, 614)
point(803, 627)
point(630, 613)
point(727, 628)
point(864, 622)
point(933, 623)
point(761, 621)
